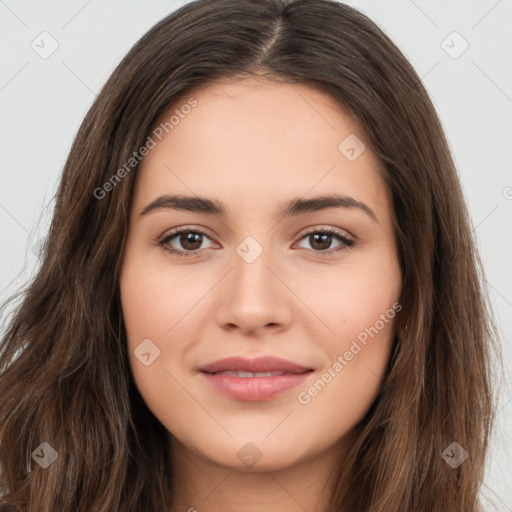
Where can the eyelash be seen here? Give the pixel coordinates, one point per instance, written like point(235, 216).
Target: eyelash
point(347, 243)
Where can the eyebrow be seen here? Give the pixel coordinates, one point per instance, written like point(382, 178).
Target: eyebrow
point(295, 206)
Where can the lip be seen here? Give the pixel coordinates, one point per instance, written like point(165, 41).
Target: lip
point(254, 388)
point(259, 364)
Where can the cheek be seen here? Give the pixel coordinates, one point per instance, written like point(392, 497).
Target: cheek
point(149, 306)
point(353, 297)
point(357, 357)
point(160, 306)
point(359, 305)
point(154, 300)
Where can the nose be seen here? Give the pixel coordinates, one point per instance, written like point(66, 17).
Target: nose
point(254, 296)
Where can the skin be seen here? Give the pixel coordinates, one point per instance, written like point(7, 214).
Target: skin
point(253, 145)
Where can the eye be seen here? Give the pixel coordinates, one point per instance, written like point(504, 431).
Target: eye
point(190, 240)
point(321, 239)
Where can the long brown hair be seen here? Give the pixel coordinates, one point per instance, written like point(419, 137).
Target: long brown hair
point(65, 377)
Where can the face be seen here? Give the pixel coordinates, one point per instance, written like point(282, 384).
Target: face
point(266, 270)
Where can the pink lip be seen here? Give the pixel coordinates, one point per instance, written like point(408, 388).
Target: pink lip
point(254, 388)
point(260, 364)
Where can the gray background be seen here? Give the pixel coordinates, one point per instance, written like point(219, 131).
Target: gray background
point(43, 101)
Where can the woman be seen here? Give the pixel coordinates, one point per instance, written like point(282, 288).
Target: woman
point(323, 345)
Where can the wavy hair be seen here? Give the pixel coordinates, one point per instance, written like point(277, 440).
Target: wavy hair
point(65, 377)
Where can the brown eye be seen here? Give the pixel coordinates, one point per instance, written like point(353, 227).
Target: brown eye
point(184, 242)
point(322, 239)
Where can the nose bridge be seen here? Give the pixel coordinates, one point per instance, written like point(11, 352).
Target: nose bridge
point(252, 261)
point(253, 296)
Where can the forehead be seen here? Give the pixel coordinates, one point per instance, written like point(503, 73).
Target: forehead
point(258, 139)
point(254, 111)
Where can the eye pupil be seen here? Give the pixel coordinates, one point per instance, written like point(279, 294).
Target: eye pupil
point(191, 241)
point(324, 240)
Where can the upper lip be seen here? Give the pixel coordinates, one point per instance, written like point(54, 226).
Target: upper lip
point(260, 364)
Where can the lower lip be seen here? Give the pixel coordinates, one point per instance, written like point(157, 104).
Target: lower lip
point(254, 388)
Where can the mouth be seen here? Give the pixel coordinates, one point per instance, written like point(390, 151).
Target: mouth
point(254, 379)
